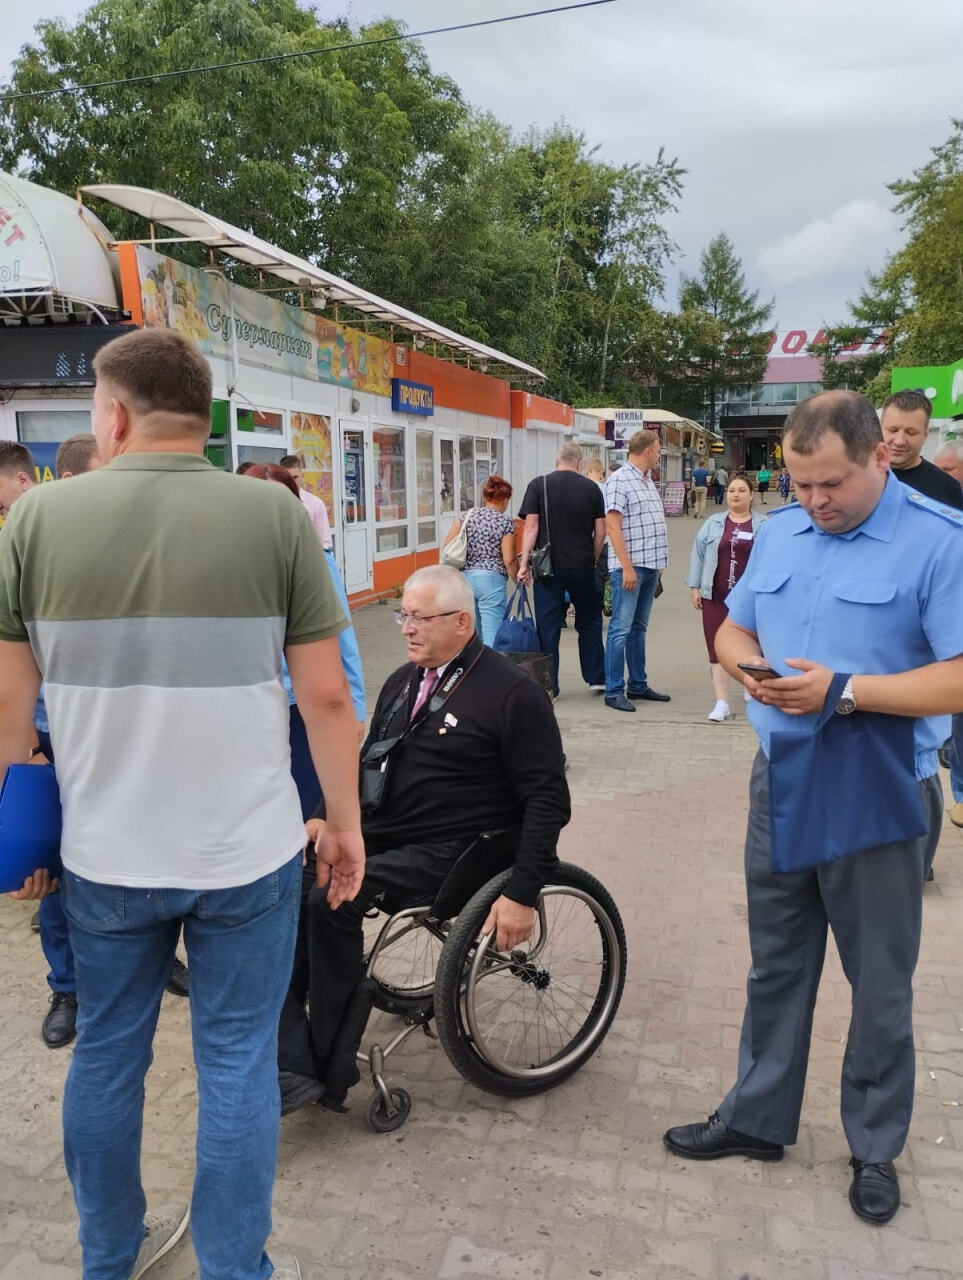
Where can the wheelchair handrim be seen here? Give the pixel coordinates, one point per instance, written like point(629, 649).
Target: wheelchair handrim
point(583, 1045)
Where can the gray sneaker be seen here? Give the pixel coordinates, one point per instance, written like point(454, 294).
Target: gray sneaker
point(164, 1227)
point(285, 1265)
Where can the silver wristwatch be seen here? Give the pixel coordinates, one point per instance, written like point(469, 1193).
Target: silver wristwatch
point(847, 703)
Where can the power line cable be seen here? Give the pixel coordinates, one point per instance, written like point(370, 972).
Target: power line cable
point(301, 53)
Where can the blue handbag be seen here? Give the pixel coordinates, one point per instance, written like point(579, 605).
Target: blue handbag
point(517, 632)
point(848, 786)
point(29, 824)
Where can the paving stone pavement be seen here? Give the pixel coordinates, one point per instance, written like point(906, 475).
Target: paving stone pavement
point(574, 1183)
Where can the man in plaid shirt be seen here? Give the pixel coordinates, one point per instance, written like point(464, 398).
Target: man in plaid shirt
point(638, 553)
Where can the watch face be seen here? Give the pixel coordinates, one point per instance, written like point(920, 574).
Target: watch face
point(845, 706)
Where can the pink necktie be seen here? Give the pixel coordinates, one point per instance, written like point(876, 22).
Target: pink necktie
point(426, 690)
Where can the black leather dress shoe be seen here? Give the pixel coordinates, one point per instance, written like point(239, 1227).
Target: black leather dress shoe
point(619, 703)
point(714, 1139)
point(178, 984)
point(298, 1091)
point(874, 1194)
point(648, 695)
point(60, 1025)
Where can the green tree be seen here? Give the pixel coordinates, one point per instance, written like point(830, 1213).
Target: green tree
point(912, 310)
point(720, 336)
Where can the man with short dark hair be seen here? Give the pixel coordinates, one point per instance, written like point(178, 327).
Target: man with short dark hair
point(77, 455)
point(317, 511)
point(638, 554)
point(171, 730)
point(565, 511)
point(904, 420)
point(700, 488)
point(480, 751)
point(860, 575)
point(17, 474)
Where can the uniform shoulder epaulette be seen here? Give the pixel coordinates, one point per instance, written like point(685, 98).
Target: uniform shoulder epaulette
point(935, 507)
point(781, 511)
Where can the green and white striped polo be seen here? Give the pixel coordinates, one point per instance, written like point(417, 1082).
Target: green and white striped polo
point(157, 595)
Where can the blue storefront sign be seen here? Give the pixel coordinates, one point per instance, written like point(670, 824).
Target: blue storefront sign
point(412, 397)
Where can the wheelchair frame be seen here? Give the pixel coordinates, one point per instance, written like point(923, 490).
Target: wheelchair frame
point(526, 975)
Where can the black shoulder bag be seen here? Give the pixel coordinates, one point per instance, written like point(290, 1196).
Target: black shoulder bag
point(541, 557)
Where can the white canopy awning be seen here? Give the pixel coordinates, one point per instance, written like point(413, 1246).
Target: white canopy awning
point(195, 225)
point(51, 248)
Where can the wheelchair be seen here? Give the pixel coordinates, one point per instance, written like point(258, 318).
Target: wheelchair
point(513, 1024)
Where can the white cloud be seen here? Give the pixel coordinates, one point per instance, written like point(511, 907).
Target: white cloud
point(858, 230)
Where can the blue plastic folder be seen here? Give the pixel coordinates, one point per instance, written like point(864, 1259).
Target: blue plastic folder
point(30, 823)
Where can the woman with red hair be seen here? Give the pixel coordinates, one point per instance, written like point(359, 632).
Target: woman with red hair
point(490, 535)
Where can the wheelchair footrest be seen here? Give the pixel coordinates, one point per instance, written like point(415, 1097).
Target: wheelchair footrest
point(418, 1009)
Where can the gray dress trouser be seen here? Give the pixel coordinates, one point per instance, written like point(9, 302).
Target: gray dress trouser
point(873, 903)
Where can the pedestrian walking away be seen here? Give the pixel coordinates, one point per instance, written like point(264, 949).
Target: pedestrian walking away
point(171, 729)
point(860, 579)
point(719, 557)
point(570, 507)
point(638, 554)
point(700, 482)
point(722, 479)
point(490, 555)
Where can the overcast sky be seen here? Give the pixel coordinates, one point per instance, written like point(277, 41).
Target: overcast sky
point(790, 117)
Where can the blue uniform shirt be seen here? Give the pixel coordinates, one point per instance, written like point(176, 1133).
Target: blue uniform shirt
point(885, 597)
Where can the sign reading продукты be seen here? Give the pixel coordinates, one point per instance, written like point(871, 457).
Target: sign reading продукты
point(412, 397)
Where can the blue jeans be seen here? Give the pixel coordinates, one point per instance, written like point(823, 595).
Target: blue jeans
point(240, 946)
point(956, 758)
point(625, 642)
point(585, 593)
point(488, 588)
point(56, 944)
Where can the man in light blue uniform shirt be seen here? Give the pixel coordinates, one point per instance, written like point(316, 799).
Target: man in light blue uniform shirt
point(861, 576)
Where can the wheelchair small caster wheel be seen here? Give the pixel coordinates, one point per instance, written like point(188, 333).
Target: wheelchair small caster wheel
point(378, 1117)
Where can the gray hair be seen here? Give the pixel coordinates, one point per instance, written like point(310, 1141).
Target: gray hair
point(569, 455)
point(950, 449)
point(449, 585)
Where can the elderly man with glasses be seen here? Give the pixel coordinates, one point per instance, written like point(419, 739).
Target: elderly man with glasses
point(462, 742)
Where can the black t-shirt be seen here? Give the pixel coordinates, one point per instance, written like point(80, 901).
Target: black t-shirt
point(929, 479)
point(574, 504)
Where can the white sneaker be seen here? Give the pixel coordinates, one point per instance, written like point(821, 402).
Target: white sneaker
point(164, 1227)
point(285, 1265)
point(720, 712)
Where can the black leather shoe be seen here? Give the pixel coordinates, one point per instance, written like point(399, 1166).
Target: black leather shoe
point(874, 1194)
point(35, 921)
point(648, 695)
point(178, 983)
point(298, 1091)
point(60, 1025)
point(714, 1139)
point(619, 703)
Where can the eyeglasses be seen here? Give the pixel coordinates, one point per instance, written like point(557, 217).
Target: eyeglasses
point(418, 620)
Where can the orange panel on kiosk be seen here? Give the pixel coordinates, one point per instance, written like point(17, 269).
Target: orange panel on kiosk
point(527, 407)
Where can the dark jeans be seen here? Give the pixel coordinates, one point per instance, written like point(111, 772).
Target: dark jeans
point(329, 952)
point(302, 766)
point(583, 588)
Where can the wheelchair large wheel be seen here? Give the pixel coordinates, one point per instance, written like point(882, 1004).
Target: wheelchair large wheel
point(522, 1023)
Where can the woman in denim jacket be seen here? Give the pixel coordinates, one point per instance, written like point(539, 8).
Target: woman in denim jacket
point(719, 557)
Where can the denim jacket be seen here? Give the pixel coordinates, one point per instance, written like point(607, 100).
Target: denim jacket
point(705, 552)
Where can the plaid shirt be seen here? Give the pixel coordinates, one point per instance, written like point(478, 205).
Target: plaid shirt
point(633, 494)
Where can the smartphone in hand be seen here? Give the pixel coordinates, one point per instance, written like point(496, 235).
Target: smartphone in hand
point(759, 670)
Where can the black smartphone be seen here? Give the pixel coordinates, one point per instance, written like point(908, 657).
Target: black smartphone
point(759, 670)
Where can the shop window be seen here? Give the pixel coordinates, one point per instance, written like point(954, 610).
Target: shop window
point(258, 453)
point(466, 473)
point(446, 490)
point(54, 425)
point(425, 487)
point(260, 422)
point(390, 487)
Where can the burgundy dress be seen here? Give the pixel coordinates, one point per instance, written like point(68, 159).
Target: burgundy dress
point(733, 557)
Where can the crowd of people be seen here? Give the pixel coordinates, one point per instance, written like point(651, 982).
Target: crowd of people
point(267, 864)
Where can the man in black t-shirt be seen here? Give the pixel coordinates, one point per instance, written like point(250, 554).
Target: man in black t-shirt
point(566, 511)
point(905, 422)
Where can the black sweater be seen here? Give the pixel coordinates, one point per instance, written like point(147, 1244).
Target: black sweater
point(490, 757)
point(927, 478)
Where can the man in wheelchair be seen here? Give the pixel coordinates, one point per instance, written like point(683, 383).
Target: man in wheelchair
point(462, 741)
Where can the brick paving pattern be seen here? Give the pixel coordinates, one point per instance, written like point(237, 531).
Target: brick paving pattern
point(574, 1183)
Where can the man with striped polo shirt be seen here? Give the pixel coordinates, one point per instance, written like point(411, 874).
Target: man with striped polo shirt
point(156, 596)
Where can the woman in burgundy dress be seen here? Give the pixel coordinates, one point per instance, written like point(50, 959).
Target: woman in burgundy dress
point(719, 558)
